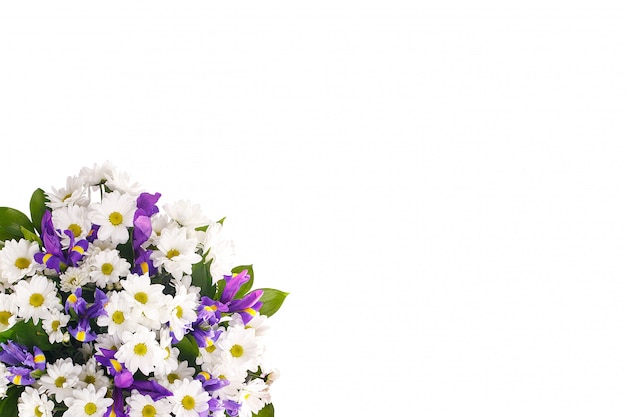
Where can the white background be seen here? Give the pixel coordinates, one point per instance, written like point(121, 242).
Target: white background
point(439, 185)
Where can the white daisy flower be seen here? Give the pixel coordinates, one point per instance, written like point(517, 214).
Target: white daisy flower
point(8, 311)
point(54, 325)
point(240, 348)
point(74, 277)
point(97, 175)
point(145, 406)
point(186, 214)
point(182, 310)
point(92, 374)
point(121, 317)
point(140, 351)
point(180, 372)
point(87, 402)
point(61, 378)
point(120, 181)
point(36, 297)
point(234, 376)
point(253, 397)
point(171, 354)
point(73, 193)
point(4, 381)
point(176, 252)
point(221, 251)
point(107, 266)
point(107, 341)
point(34, 404)
point(17, 260)
point(148, 298)
point(114, 215)
point(72, 218)
point(189, 399)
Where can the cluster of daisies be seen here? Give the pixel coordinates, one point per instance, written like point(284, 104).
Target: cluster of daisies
point(110, 306)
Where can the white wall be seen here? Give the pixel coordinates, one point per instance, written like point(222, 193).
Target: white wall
point(439, 185)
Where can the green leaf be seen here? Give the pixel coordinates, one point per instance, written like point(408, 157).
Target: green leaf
point(38, 208)
point(11, 223)
point(8, 405)
point(201, 277)
point(245, 288)
point(267, 411)
point(188, 350)
point(28, 235)
point(272, 300)
point(29, 334)
point(221, 221)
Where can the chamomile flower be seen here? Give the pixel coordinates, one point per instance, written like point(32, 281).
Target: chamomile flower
point(72, 218)
point(114, 215)
point(93, 177)
point(8, 311)
point(175, 252)
point(140, 351)
point(182, 310)
point(87, 402)
point(171, 354)
point(253, 397)
point(120, 181)
point(186, 214)
point(120, 317)
point(54, 325)
point(60, 379)
point(189, 399)
point(4, 381)
point(107, 266)
point(240, 348)
point(17, 259)
point(90, 374)
point(219, 250)
point(73, 193)
point(36, 297)
point(144, 406)
point(74, 277)
point(148, 298)
point(34, 404)
point(180, 372)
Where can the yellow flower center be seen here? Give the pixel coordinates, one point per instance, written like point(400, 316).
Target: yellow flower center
point(4, 317)
point(60, 381)
point(148, 411)
point(118, 317)
point(188, 402)
point(236, 351)
point(75, 229)
point(55, 325)
point(90, 408)
point(106, 268)
point(67, 196)
point(179, 312)
point(116, 218)
point(140, 349)
point(171, 253)
point(22, 263)
point(172, 377)
point(36, 300)
point(210, 349)
point(90, 379)
point(169, 352)
point(38, 412)
point(142, 297)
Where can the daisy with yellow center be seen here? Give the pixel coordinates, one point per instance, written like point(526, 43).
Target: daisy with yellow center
point(145, 406)
point(17, 260)
point(189, 399)
point(140, 351)
point(36, 297)
point(114, 215)
point(87, 402)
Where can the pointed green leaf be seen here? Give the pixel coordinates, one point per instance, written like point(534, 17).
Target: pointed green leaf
point(38, 208)
point(201, 277)
point(267, 411)
point(28, 235)
point(29, 334)
point(11, 222)
point(245, 288)
point(8, 405)
point(272, 300)
point(188, 350)
point(221, 221)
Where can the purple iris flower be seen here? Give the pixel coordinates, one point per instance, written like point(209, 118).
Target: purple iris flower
point(76, 302)
point(232, 407)
point(54, 256)
point(249, 305)
point(23, 362)
point(142, 230)
point(209, 383)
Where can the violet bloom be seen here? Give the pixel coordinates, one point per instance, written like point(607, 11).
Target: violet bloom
point(54, 256)
point(23, 362)
point(142, 230)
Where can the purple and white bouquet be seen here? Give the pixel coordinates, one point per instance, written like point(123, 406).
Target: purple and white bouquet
point(113, 307)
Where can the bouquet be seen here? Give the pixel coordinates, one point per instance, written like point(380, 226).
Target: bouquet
point(113, 307)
